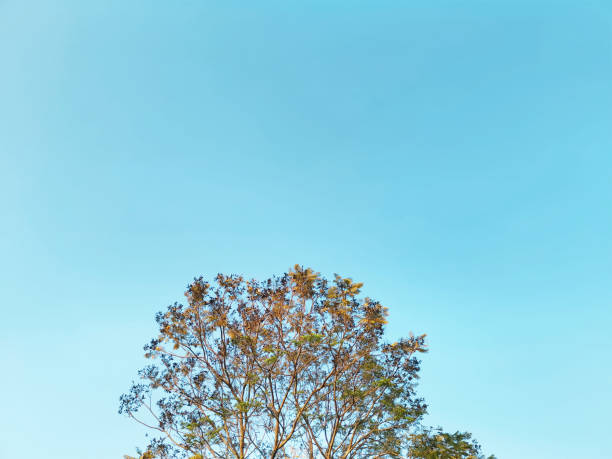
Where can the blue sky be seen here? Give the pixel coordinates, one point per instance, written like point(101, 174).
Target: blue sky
point(456, 156)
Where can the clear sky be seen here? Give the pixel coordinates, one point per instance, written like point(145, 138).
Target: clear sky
point(456, 156)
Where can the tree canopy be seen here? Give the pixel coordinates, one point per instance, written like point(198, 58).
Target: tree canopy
point(293, 366)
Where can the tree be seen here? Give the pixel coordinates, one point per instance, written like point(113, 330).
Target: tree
point(436, 444)
point(294, 366)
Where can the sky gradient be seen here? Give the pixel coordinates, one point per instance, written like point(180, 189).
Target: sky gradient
point(455, 156)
